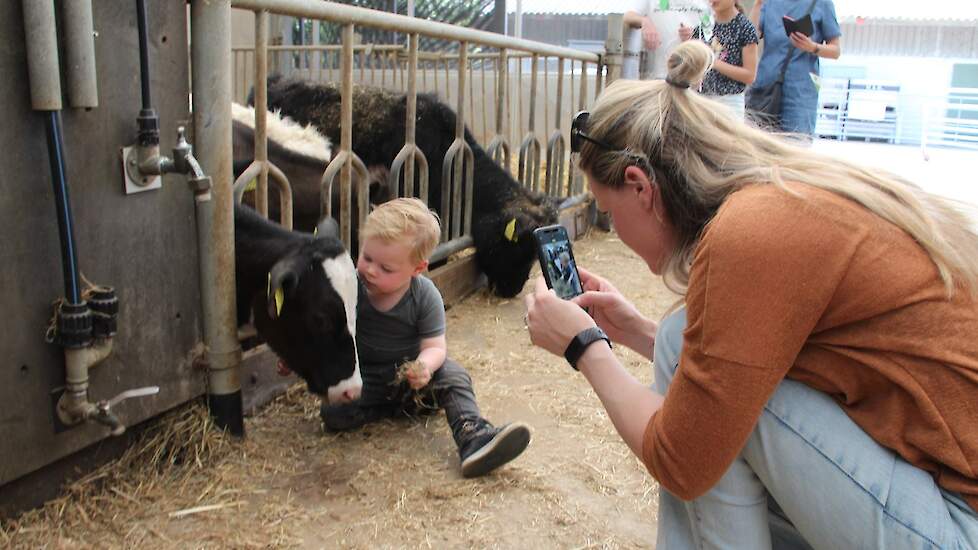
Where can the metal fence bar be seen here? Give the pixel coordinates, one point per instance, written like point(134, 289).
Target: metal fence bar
point(529, 161)
point(410, 153)
point(499, 147)
point(341, 13)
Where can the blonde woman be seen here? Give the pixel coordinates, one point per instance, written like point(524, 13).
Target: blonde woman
point(819, 385)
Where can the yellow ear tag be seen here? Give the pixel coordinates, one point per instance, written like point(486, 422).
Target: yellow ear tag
point(279, 300)
point(252, 186)
point(279, 296)
point(510, 231)
point(315, 231)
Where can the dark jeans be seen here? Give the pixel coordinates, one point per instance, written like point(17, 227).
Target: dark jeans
point(450, 389)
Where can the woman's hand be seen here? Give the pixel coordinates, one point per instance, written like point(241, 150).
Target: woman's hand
point(650, 35)
point(623, 323)
point(553, 322)
point(803, 42)
point(685, 33)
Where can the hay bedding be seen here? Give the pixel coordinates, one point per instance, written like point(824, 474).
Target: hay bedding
point(394, 484)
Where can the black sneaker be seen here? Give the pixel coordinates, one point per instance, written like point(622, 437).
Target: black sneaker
point(487, 448)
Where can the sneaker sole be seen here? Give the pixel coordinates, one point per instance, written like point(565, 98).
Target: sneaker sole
point(506, 446)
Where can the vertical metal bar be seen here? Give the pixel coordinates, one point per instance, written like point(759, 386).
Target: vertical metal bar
point(502, 91)
point(316, 54)
point(485, 118)
point(346, 134)
point(412, 117)
point(519, 95)
point(211, 61)
point(448, 82)
point(434, 71)
point(261, 110)
point(458, 185)
point(534, 65)
point(471, 97)
point(614, 47)
point(558, 162)
point(329, 67)
point(546, 95)
point(363, 65)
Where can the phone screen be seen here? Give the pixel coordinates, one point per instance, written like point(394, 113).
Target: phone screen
point(557, 261)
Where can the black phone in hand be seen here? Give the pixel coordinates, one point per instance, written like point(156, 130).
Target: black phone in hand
point(557, 261)
point(803, 25)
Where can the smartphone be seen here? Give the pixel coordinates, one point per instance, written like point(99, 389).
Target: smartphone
point(803, 25)
point(557, 261)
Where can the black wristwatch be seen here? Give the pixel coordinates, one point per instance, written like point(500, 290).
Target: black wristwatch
point(581, 342)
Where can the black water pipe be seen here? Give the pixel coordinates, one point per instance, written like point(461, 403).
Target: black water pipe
point(69, 255)
point(147, 121)
point(143, 53)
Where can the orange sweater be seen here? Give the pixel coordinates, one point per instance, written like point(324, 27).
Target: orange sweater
point(822, 291)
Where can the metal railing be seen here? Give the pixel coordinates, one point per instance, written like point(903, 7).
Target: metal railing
point(450, 72)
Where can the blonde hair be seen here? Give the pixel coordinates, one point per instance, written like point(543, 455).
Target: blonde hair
point(699, 155)
point(407, 220)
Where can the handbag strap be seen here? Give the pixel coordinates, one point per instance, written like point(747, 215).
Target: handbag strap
point(787, 58)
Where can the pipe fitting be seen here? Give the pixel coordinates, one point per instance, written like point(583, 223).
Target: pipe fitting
point(74, 406)
point(74, 326)
point(105, 309)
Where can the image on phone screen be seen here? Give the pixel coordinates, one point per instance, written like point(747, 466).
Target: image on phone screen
point(557, 261)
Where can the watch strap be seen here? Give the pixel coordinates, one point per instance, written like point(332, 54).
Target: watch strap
point(580, 343)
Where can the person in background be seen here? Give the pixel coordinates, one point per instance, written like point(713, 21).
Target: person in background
point(734, 44)
point(800, 89)
point(818, 386)
point(659, 21)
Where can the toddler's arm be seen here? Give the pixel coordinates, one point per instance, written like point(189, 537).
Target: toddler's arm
point(434, 350)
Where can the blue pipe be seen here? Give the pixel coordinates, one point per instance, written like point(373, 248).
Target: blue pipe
point(69, 256)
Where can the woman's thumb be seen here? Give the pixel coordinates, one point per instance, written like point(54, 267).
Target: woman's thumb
point(593, 298)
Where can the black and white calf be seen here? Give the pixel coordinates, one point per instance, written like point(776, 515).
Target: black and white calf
point(504, 213)
point(302, 293)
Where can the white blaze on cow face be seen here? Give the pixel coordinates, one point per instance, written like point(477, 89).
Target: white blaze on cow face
point(343, 275)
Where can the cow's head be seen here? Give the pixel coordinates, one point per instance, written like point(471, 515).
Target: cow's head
point(505, 248)
point(309, 317)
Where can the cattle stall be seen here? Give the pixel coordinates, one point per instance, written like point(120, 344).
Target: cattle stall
point(136, 127)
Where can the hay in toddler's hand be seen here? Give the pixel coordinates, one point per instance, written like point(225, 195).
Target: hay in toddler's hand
point(413, 367)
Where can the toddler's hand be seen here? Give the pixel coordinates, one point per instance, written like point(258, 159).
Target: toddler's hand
point(418, 375)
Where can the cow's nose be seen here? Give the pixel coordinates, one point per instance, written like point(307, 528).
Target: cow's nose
point(351, 394)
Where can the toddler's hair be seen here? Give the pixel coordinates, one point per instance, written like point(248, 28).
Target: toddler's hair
point(407, 220)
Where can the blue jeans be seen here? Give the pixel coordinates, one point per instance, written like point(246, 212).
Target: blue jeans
point(808, 477)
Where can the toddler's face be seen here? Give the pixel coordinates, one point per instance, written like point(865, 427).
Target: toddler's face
point(386, 267)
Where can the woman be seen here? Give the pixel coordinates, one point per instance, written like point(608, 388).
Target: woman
point(820, 382)
point(800, 89)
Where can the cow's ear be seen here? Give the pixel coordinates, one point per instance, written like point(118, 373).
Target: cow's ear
point(282, 281)
point(327, 227)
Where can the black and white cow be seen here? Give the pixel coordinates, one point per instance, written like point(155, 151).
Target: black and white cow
point(500, 202)
point(302, 153)
point(302, 293)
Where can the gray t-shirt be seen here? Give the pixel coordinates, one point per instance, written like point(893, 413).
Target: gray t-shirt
point(385, 339)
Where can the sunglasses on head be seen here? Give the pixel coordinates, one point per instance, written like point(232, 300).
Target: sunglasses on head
point(578, 135)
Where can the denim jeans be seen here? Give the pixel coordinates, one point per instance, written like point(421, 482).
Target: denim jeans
point(808, 477)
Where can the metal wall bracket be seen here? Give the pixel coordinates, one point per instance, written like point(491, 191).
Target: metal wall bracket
point(135, 181)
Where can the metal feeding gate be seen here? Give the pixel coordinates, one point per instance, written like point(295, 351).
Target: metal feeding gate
point(452, 75)
point(133, 223)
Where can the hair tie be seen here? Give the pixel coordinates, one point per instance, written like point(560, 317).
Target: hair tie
point(681, 85)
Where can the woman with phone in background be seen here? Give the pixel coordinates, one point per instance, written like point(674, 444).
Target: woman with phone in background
point(818, 386)
point(800, 87)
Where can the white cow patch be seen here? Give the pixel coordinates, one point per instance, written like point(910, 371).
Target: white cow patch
point(305, 140)
point(343, 276)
